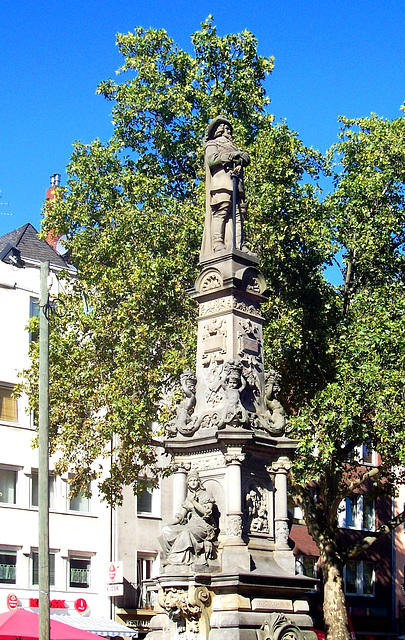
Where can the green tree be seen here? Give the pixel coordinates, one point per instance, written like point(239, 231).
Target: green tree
point(341, 349)
point(132, 214)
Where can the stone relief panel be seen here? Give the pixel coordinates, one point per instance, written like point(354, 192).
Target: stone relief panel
point(186, 609)
point(278, 627)
point(233, 383)
point(212, 462)
point(249, 337)
point(281, 531)
point(234, 526)
point(213, 340)
point(256, 510)
point(252, 308)
point(227, 303)
point(253, 280)
point(250, 354)
point(215, 306)
point(209, 281)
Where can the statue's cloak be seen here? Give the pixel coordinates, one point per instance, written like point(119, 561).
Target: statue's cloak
point(218, 155)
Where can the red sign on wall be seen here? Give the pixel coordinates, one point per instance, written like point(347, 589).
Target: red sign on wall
point(80, 605)
point(12, 601)
point(53, 604)
point(112, 571)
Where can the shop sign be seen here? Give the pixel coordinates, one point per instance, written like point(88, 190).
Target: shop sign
point(53, 604)
point(80, 605)
point(12, 601)
point(115, 573)
point(114, 589)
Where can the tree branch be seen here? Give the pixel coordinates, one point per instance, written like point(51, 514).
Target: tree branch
point(355, 484)
point(378, 200)
point(338, 265)
point(348, 280)
point(305, 501)
point(364, 544)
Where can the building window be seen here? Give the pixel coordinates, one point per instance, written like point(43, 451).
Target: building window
point(34, 312)
point(351, 511)
point(80, 503)
point(368, 513)
point(8, 484)
point(358, 512)
point(35, 568)
point(144, 501)
point(359, 578)
point(144, 570)
point(79, 573)
point(34, 490)
point(8, 567)
point(367, 456)
point(8, 404)
point(148, 502)
point(306, 566)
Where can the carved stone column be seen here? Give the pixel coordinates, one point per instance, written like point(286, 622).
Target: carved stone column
point(180, 471)
point(235, 553)
point(234, 461)
point(280, 468)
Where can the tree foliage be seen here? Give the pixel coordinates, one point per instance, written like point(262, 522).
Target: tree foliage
point(132, 213)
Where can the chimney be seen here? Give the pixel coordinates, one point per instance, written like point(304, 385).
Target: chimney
point(52, 239)
point(51, 191)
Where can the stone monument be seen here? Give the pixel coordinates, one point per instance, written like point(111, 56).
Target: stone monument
point(229, 568)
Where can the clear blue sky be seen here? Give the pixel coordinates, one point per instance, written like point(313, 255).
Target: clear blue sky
point(331, 59)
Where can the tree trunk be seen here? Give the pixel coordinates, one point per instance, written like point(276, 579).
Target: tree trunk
point(334, 602)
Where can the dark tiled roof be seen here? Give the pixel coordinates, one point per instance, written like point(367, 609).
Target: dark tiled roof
point(31, 247)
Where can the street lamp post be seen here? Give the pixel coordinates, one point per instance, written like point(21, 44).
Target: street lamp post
point(43, 462)
point(11, 255)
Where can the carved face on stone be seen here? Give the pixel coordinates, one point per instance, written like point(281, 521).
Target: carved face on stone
point(188, 379)
point(223, 130)
point(234, 381)
point(193, 482)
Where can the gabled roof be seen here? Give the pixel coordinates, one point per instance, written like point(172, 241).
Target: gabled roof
point(26, 239)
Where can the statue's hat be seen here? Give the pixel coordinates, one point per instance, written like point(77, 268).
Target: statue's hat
point(212, 125)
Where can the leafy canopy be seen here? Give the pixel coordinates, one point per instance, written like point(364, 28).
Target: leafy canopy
point(133, 214)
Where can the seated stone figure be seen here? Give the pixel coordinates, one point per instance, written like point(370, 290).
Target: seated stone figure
point(188, 538)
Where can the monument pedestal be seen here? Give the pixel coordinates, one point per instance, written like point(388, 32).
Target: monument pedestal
point(234, 606)
point(235, 576)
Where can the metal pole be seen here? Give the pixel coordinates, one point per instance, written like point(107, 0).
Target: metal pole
point(43, 464)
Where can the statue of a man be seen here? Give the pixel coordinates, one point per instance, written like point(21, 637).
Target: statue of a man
point(222, 160)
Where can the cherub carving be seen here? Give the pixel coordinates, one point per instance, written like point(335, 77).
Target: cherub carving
point(181, 422)
point(233, 383)
point(275, 413)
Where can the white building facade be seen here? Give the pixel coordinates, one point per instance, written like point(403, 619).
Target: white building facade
point(81, 529)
